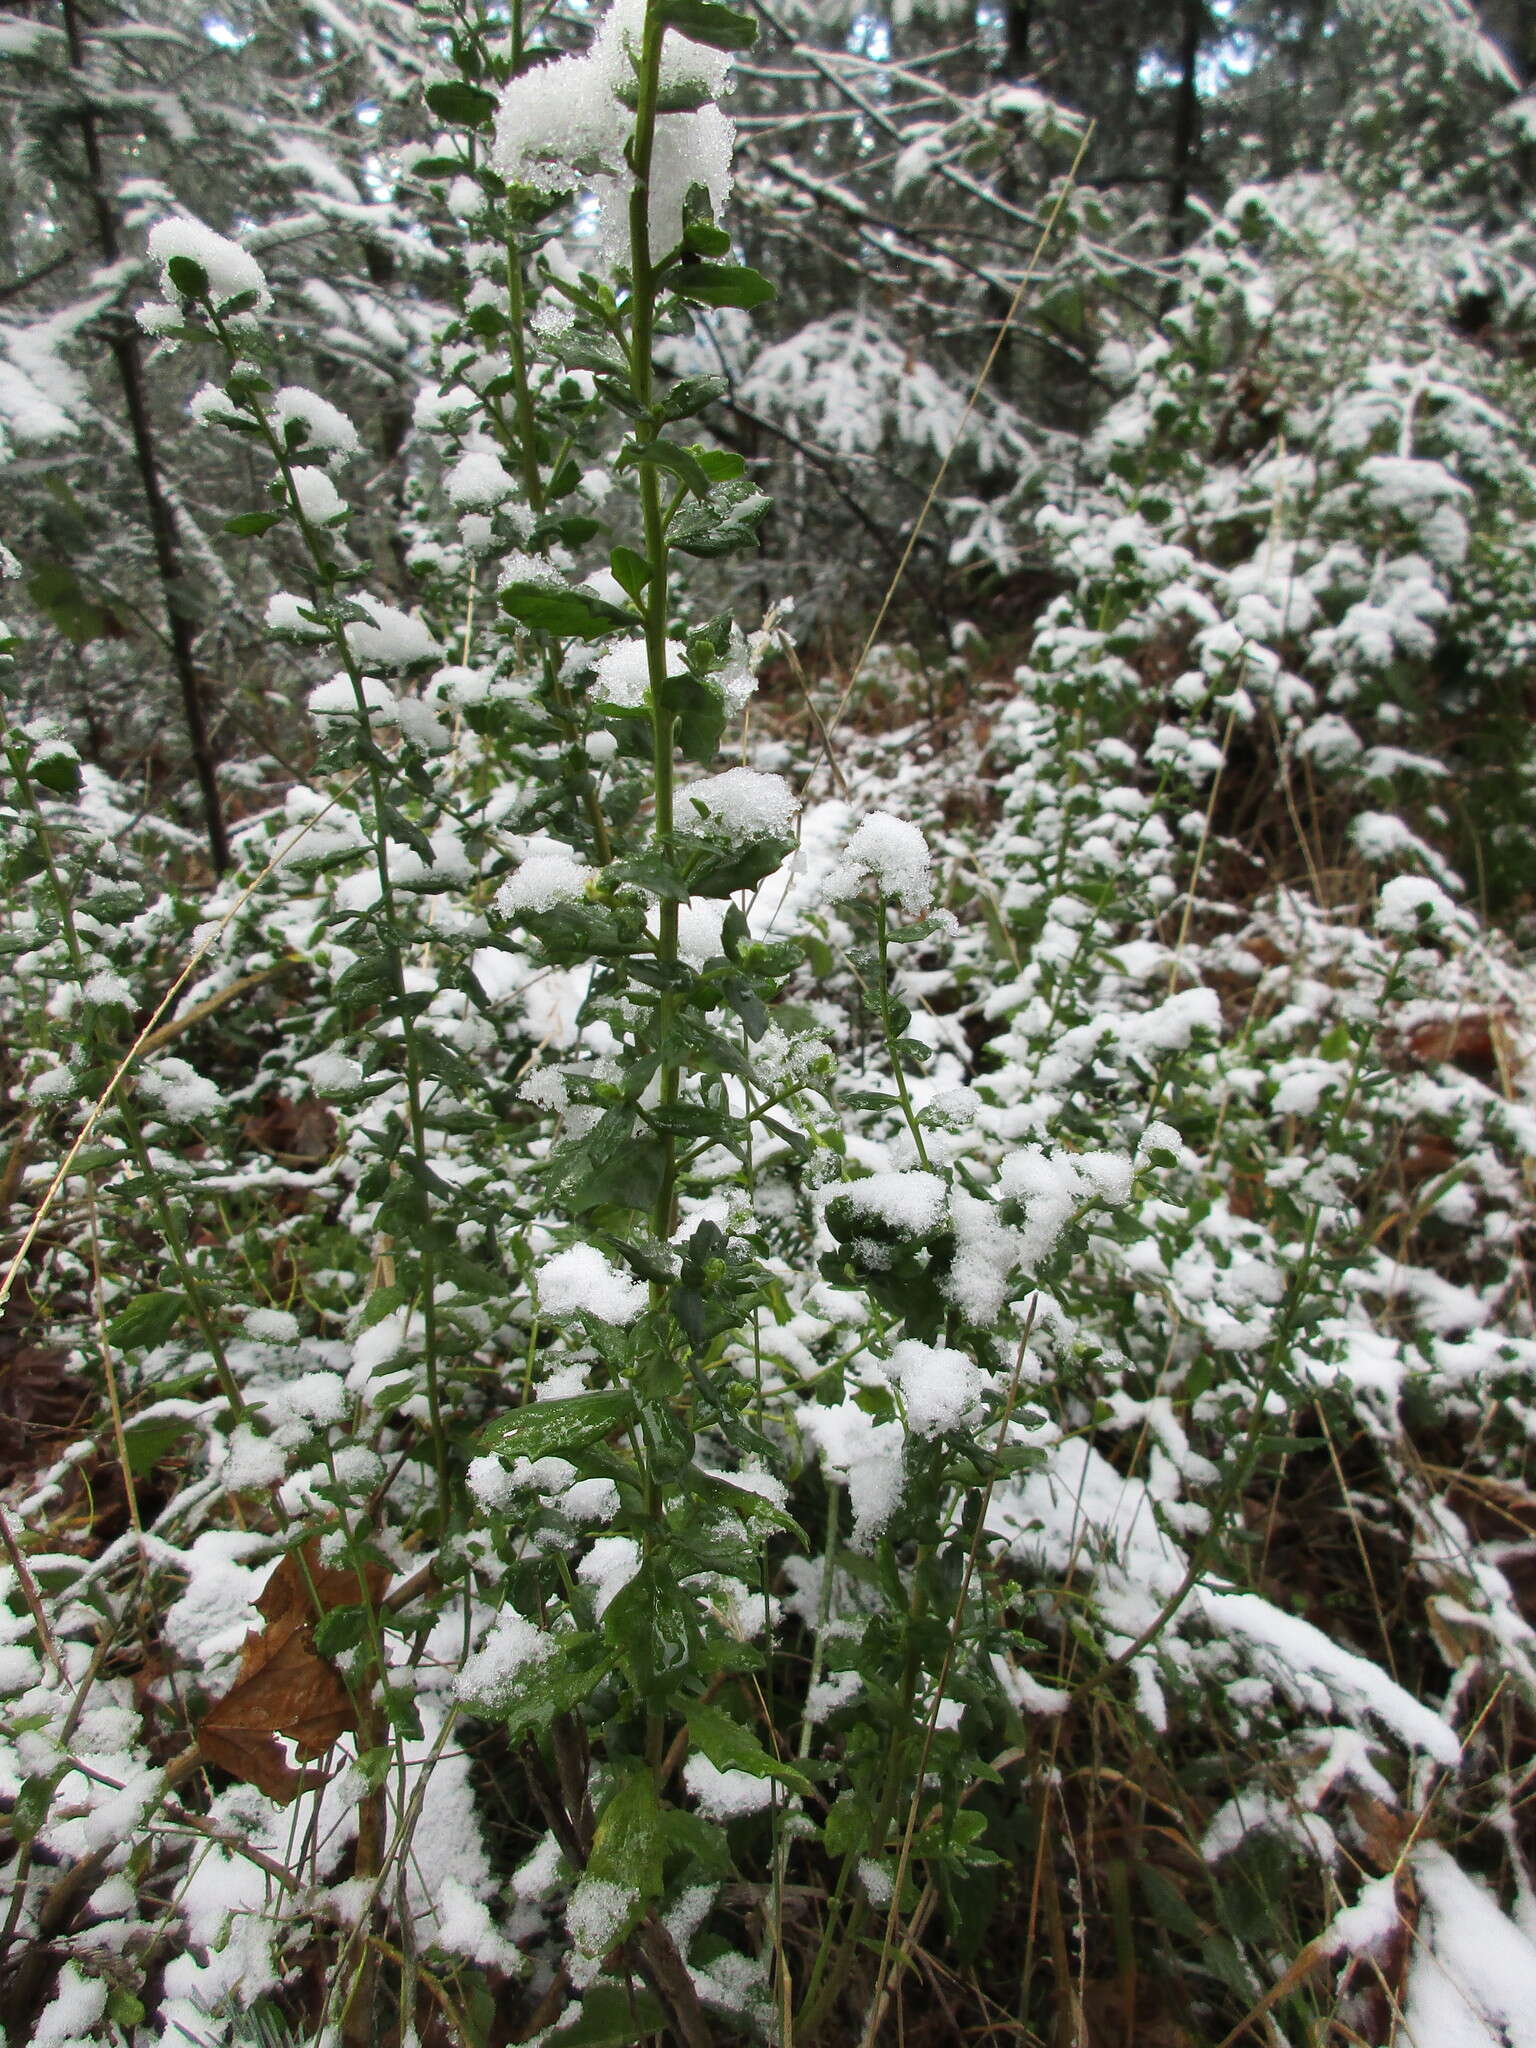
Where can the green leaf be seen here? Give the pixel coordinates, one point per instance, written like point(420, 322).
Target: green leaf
point(724, 869)
point(631, 570)
point(189, 278)
point(721, 284)
point(557, 1683)
point(731, 1747)
point(56, 591)
point(568, 614)
point(30, 1808)
point(148, 1442)
point(146, 1321)
point(706, 21)
point(370, 979)
point(661, 454)
point(551, 1428)
point(703, 238)
point(631, 1180)
point(612, 2016)
point(721, 464)
point(726, 524)
point(628, 1846)
point(460, 104)
point(245, 524)
point(339, 1629)
point(848, 1824)
point(691, 396)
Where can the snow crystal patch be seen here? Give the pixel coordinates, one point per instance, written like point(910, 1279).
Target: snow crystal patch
point(78, 2002)
point(940, 1388)
point(490, 1482)
point(596, 1914)
point(541, 882)
point(1410, 904)
point(1292, 1649)
point(558, 126)
point(389, 635)
point(895, 854)
point(623, 676)
point(230, 270)
point(608, 1568)
point(867, 1456)
point(179, 1093)
point(591, 1500)
point(511, 1645)
point(725, 1795)
point(323, 426)
point(582, 1279)
point(292, 616)
point(477, 482)
point(272, 1326)
point(1471, 1969)
point(1369, 1924)
point(465, 1927)
point(318, 498)
point(741, 804)
point(910, 1202)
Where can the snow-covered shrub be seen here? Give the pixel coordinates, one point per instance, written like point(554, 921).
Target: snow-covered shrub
point(695, 1378)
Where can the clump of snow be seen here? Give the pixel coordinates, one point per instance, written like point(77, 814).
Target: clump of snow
point(565, 124)
point(230, 270)
point(542, 881)
point(1410, 904)
point(1369, 1923)
point(490, 1482)
point(272, 1326)
point(1471, 1968)
point(1293, 1651)
point(741, 804)
point(581, 1279)
point(318, 498)
point(940, 1388)
point(911, 1202)
point(389, 636)
point(326, 428)
point(725, 1795)
point(489, 1677)
point(210, 405)
point(465, 1927)
point(895, 854)
point(70, 2016)
point(623, 677)
point(596, 1915)
point(591, 1500)
point(868, 1457)
point(477, 482)
point(290, 615)
point(608, 1568)
point(179, 1093)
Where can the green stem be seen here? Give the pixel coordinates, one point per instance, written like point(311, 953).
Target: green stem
point(888, 1029)
point(642, 382)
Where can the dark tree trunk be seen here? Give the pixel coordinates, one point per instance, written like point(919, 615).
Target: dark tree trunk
point(1186, 123)
point(124, 345)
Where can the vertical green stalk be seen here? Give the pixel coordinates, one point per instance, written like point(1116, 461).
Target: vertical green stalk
point(642, 382)
point(888, 1025)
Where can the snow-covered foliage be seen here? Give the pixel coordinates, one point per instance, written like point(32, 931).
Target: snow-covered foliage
point(707, 1351)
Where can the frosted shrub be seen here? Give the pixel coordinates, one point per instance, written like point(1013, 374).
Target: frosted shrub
point(672, 1344)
